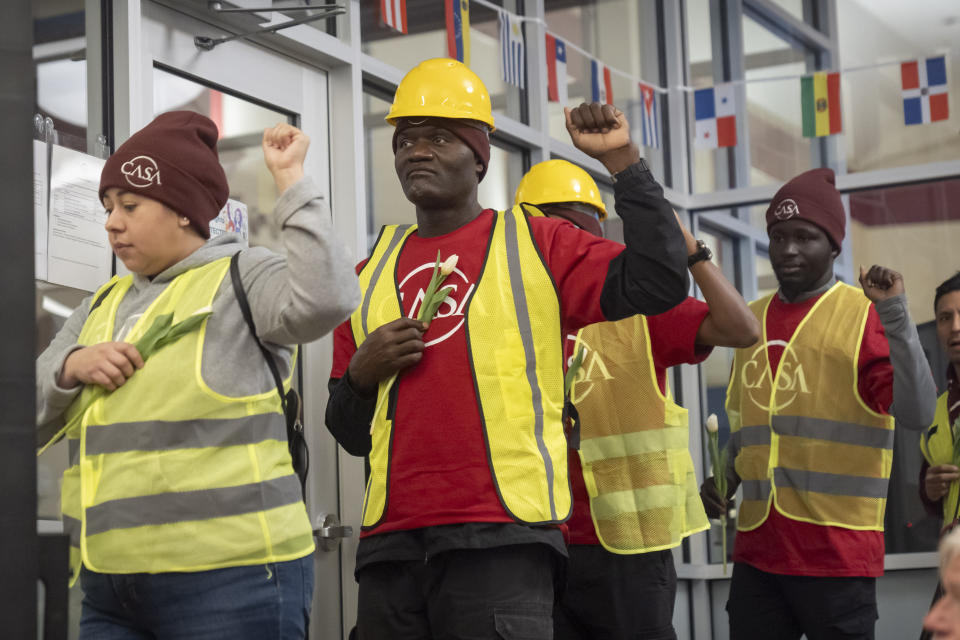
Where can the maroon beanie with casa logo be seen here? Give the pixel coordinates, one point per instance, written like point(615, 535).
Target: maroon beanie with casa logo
point(811, 196)
point(174, 160)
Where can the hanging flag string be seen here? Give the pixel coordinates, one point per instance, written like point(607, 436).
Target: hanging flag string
point(685, 88)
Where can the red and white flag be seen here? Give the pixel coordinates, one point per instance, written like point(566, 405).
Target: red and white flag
point(393, 13)
point(556, 70)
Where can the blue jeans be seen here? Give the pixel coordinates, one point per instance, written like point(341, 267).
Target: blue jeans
point(258, 602)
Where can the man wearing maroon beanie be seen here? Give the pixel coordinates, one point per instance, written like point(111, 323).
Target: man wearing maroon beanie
point(184, 513)
point(811, 412)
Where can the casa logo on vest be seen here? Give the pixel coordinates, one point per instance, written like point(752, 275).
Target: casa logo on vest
point(450, 316)
point(786, 209)
point(592, 371)
point(791, 380)
point(141, 171)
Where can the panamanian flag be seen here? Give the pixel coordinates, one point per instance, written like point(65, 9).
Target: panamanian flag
point(556, 70)
point(512, 54)
point(648, 116)
point(924, 90)
point(601, 89)
point(715, 112)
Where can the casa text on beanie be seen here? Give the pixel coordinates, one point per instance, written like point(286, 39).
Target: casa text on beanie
point(173, 160)
point(811, 196)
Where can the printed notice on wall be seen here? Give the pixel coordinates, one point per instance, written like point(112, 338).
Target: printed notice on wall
point(79, 254)
point(40, 182)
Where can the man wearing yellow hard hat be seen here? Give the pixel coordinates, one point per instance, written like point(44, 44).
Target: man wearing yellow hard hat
point(462, 420)
point(621, 580)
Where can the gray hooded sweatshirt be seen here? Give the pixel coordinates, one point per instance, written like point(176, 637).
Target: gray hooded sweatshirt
point(294, 300)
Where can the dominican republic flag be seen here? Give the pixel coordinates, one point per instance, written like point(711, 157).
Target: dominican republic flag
point(924, 90)
point(556, 70)
point(600, 88)
point(648, 115)
point(458, 29)
point(716, 120)
point(393, 13)
point(512, 53)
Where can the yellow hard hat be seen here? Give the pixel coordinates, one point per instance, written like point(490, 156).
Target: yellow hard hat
point(559, 181)
point(441, 88)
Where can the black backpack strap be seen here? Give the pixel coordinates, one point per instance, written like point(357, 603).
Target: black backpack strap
point(101, 298)
point(245, 309)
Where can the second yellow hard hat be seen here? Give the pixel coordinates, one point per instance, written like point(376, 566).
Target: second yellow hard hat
point(559, 181)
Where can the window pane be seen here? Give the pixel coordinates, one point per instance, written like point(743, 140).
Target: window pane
point(427, 38)
point(794, 7)
point(872, 99)
point(241, 125)
point(715, 372)
point(609, 30)
point(778, 150)
point(914, 229)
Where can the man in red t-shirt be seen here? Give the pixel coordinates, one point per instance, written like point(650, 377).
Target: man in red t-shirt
point(811, 429)
point(628, 591)
point(468, 480)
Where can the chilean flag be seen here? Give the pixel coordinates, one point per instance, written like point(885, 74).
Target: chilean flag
point(924, 91)
point(715, 112)
point(556, 70)
point(601, 89)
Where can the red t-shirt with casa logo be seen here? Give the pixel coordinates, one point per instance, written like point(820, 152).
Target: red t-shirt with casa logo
point(673, 341)
point(439, 472)
point(791, 547)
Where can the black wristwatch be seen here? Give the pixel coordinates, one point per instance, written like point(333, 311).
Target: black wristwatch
point(702, 253)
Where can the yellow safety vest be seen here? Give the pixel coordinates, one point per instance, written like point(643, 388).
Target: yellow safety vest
point(633, 443)
point(803, 439)
point(166, 474)
point(936, 445)
point(514, 340)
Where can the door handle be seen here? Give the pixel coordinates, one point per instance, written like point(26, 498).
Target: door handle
point(329, 531)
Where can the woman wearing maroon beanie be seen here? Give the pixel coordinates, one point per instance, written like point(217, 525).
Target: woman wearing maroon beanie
point(183, 510)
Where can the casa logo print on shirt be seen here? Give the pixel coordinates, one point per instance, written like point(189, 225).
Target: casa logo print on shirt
point(791, 379)
point(593, 370)
point(450, 316)
point(141, 171)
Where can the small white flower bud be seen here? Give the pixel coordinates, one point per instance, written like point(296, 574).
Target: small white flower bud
point(712, 424)
point(448, 265)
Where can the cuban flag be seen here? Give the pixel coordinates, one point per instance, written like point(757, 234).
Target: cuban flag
point(601, 89)
point(715, 111)
point(457, 14)
point(556, 70)
point(393, 13)
point(648, 115)
point(512, 54)
point(924, 90)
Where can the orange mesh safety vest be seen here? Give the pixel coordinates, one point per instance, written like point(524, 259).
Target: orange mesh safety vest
point(803, 439)
point(633, 443)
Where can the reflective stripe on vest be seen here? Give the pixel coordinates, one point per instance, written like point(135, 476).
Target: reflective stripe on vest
point(803, 440)
point(633, 443)
point(513, 319)
point(936, 445)
point(167, 474)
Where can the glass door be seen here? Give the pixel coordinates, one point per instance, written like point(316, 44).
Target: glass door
point(245, 88)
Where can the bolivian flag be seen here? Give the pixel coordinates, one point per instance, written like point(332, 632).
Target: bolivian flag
point(820, 96)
